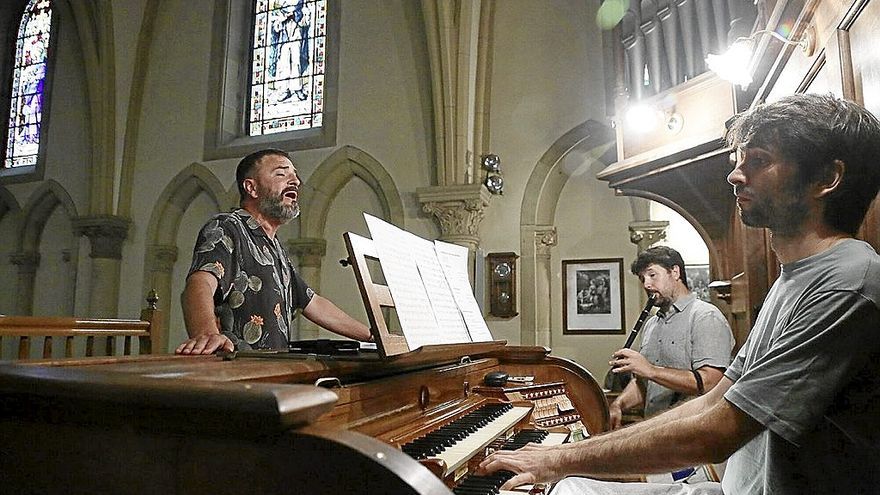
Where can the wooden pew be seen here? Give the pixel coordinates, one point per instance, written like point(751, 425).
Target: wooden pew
point(25, 331)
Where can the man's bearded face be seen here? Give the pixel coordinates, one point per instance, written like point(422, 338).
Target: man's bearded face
point(272, 205)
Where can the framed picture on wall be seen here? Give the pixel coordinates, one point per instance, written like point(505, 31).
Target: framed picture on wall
point(698, 280)
point(592, 294)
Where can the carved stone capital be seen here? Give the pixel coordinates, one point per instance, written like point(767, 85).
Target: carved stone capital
point(646, 233)
point(309, 251)
point(25, 261)
point(459, 209)
point(162, 257)
point(105, 232)
point(545, 239)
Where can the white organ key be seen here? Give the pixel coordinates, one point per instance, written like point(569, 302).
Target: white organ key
point(458, 454)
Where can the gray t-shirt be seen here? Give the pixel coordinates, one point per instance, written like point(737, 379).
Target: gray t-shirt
point(810, 373)
point(692, 334)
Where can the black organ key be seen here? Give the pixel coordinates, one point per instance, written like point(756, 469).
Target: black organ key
point(482, 485)
point(523, 437)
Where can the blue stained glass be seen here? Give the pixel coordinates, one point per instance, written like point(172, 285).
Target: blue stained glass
point(287, 55)
point(28, 85)
point(32, 79)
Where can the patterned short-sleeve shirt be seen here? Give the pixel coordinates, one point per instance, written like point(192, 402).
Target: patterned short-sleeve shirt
point(258, 288)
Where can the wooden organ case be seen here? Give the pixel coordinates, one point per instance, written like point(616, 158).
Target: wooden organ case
point(684, 166)
point(278, 422)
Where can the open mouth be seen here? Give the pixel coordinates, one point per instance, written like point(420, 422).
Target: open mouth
point(290, 193)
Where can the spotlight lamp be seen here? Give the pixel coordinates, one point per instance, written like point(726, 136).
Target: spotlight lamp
point(643, 118)
point(495, 184)
point(492, 163)
point(733, 65)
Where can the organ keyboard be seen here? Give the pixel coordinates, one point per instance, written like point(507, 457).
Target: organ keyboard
point(457, 442)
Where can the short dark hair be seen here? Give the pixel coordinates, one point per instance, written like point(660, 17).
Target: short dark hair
point(659, 255)
point(812, 131)
point(246, 166)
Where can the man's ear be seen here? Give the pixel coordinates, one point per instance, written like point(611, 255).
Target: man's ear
point(250, 187)
point(676, 272)
point(832, 179)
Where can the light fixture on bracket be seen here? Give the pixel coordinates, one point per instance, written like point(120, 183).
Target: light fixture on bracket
point(643, 118)
point(494, 182)
point(492, 163)
point(733, 65)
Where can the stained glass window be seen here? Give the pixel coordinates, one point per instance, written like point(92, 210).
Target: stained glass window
point(28, 85)
point(287, 66)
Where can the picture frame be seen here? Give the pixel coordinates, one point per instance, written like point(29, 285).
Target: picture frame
point(592, 292)
point(698, 281)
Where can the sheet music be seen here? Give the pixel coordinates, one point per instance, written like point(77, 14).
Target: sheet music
point(405, 282)
point(454, 261)
point(443, 303)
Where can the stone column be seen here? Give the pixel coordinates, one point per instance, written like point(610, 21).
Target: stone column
point(459, 209)
point(160, 276)
point(106, 234)
point(646, 233)
point(310, 254)
point(27, 263)
point(545, 240)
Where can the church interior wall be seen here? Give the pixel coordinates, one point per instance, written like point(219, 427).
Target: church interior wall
point(531, 107)
point(8, 273)
point(592, 224)
point(384, 101)
point(546, 78)
point(55, 284)
point(201, 208)
point(68, 148)
point(338, 282)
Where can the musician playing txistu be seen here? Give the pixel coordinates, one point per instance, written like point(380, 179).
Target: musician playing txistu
point(685, 347)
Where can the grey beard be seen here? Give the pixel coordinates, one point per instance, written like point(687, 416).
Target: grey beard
point(273, 207)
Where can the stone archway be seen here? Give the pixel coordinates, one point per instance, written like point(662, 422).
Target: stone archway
point(537, 229)
point(40, 206)
point(10, 226)
point(332, 174)
point(318, 194)
point(8, 203)
point(161, 240)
